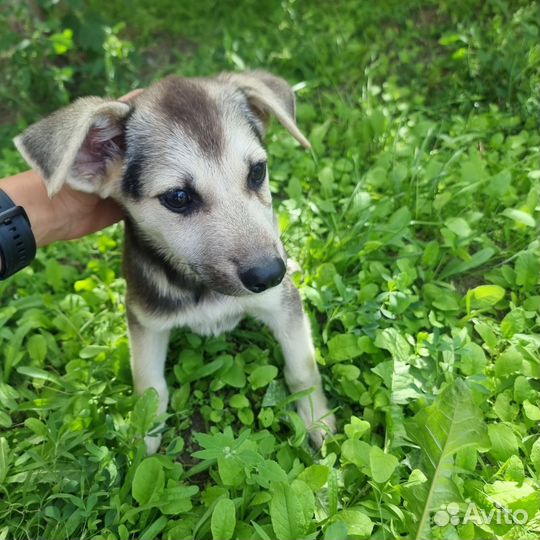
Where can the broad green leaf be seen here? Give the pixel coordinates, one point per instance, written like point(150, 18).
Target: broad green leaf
point(336, 531)
point(510, 361)
point(223, 520)
point(37, 426)
point(235, 376)
point(458, 226)
point(37, 348)
point(357, 428)
point(148, 480)
point(231, 470)
point(473, 359)
point(239, 401)
point(343, 347)
point(527, 270)
point(306, 498)
point(523, 389)
point(381, 465)
point(513, 323)
point(397, 377)
point(519, 216)
point(315, 476)
point(512, 470)
point(261, 376)
point(391, 340)
point(286, 513)
point(487, 334)
point(358, 524)
point(357, 452)
point(270, 471)
point(175, 500)
point(503, 441)
point(514, 495)
point(532, 412)
point(451, 423)
point(484, 296)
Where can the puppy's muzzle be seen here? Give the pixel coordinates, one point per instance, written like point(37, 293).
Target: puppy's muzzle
point(266, 274)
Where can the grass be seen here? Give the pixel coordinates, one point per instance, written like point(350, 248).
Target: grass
point(415, 220)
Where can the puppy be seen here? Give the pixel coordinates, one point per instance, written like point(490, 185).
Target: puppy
point(186, 160)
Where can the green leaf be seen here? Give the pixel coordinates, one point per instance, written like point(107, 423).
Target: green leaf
point(381, 465)
point(458, 226)
point(343, 347)
point(451, 423)
point(458, 266)
point(153, 530)
point(145, 411)
point(37, 348)
point(513, 323)
point(357, 428)
point(535, 455)
point(473, 359)
point(4, 459)
point(398, 379)
point(391, 340)
point(223, 520)
point(336, 531)
point(532, 412)
point(358, 524)
point(262, 376)
point(484, 296)
point(519, 216)
point(527, 270)
point(286, 513)
point(175, 500)
point(503, 441)
point(315, 476)
point(510, 361)
point(356, 452)
point(239, 401)
point(36, 373)
point(148, 481)
point(231, 471)
point(306, 498)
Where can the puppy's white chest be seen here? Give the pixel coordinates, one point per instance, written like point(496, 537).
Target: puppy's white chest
point(211, 320)
point(212, 316)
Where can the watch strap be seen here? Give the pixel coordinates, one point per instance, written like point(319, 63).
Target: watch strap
point(17, 242)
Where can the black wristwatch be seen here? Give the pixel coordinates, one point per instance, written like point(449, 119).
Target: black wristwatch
point(17, 242)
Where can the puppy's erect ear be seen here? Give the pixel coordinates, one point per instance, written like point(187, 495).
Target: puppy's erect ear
point(81, 145)
point(269, 95)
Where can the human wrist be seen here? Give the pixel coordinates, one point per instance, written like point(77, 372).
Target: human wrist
point(27, 190)
point(17, 242)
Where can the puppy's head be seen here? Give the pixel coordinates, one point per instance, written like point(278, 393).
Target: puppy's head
point(186, 160)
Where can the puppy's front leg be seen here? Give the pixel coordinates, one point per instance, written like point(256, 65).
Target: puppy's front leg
point(284, 314)
point(148, 355)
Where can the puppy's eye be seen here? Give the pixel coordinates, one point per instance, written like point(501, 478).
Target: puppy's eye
point(257, 174)
point(176, 200)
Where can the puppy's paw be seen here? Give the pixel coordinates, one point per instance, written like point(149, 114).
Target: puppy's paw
point(317, 418)
point(322, 429)
point(152, 444)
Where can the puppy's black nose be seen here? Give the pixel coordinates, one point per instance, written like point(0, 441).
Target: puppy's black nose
point(268, 273)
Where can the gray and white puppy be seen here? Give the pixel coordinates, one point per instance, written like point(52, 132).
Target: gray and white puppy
point(185, 159)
